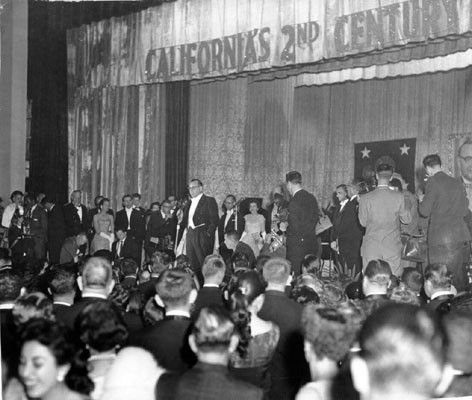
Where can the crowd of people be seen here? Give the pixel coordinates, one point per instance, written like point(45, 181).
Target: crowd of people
point(184, 302)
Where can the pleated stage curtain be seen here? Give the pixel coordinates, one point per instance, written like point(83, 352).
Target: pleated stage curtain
point(117, 143)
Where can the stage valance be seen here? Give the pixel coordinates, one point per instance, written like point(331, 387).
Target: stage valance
point(190, 39)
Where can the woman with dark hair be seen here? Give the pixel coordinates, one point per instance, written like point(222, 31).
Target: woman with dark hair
point(103, 223)
point(254, 229)
point(16, 237)
point(103, 331)
point(328, 338)
point(258, 338)
point(50, 367)
point(33, 305)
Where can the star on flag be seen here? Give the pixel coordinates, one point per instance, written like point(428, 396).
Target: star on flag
point(365, 152)
point(404, 149)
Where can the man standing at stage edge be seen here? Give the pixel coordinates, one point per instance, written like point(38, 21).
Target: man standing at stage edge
point(445, 203)
point(303, 216)
point(201, 218)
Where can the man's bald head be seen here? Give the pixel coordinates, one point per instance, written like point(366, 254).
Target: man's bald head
point(97, 274)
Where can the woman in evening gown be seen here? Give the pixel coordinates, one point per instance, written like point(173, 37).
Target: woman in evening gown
point(254, 230)
point(104, 226)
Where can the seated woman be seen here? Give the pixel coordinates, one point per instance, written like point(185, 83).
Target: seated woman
point(50, 364)
point(254, 229)
point(103, 223)
point(102, 329)
point(258, 338)
point(328, 338)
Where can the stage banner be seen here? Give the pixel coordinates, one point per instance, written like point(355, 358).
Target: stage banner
point(189, 39)
point(400, 152)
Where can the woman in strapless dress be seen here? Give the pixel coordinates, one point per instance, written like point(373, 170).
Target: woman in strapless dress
point(254, 230)
point(104, 226)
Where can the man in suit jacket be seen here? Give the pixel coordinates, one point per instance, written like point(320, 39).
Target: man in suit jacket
point(303, 216)
point(75, 215)
point(62, 285)
point(200, 217)
point(347, 232)
point(167, 340)
point(56, 230)
point(210, 294)
point(438, 287)
point(161, 229)
point(71, 249)
point(134, 221)
point(381, 212)
point(231, 220)
point(95, 283)
point(160, 261)
point(124, 246)
point(289, 369)
point(445, 203)
point(210, 379)
point(37, 222)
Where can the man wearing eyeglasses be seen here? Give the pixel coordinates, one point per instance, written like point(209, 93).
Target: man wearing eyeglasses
point(464, 158)
point(200, 217)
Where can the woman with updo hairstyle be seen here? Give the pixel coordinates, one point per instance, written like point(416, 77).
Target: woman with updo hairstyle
point(328, 339)
point(51, 365)
point(103, 224)
point(254, 228)
point(31, 306)
point(258, 338)
point(103, 331)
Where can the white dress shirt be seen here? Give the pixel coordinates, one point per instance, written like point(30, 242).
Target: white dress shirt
point(228, 216)
point(193, 207)
point(128, 214)
point(79, 211)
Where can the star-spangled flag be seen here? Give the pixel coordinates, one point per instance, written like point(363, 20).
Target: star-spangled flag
point(402, 151)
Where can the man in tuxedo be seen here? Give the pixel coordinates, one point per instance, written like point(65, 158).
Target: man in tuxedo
point(289, 369)
point(303, 216)
point(37, 222)
point(160, 261)
point(56, 230)
point(438, 287)
point(200, 217)
point(231, 220)
point(375, 283)
point(75, 215)
point(213, 340)
point(95, 283)
point(445, 203)
point(124, 246)
point(62, 286)
point(161, 229)
point(213, 271)
point(346, 234)
point(167, 340)
point(136, 199)
point(135, 222)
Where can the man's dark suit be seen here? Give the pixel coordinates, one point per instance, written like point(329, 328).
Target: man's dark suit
point(137, 227)
point(289, 369)
point(201, 240)
point(74, 225)
point(61, 311)
point(38, 226)
point(129, 248)
point(148, 288)
point(303, 216)
point(348, 231)
point(56, 233)
point(68, 250)
point(214, 382)
point(159, 227)
point(245, 249)
point(208, 296)
point(235, 223)
point(167, 340)
point(70, 316)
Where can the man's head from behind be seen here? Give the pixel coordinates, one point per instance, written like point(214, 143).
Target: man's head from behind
point(175, 288)
point(276, 272)
point(160, 261)
point(294, 181)
point(403, 355)
point(213, 332)
point(129, 267)
point(62, 281)
point(437, 278)
point(213, 269)
point(96, 276)
point(432, 163)
point(11, 285)
point(377, 276)
point(384, 172)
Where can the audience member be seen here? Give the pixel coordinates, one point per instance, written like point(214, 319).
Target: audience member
point(167, 339)
point(160, 261)
point(34, 305)
point(63, 288)
point(289, 369)
point(375, 283)
point(328, 339)
point(304, 295)
point(213, 339)
point(102, 330)
point(437, 286)
point(257, 338)
point(129, 269)
point(213, 271)
point(403, 355)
